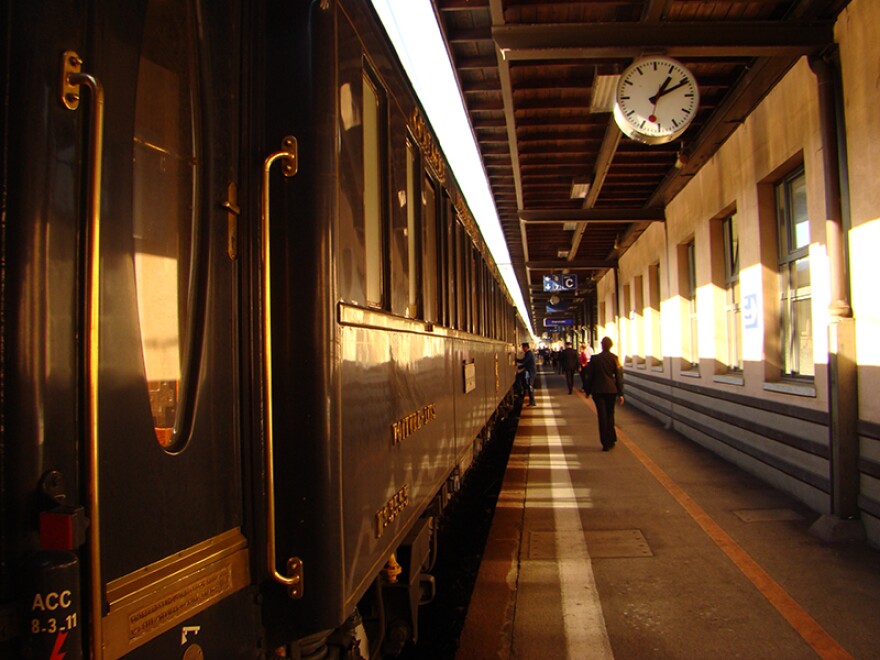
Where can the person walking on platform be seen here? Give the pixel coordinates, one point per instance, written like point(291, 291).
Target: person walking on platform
point(528, 363)
point(569, 362)
point(606, 385)
point(584, 359)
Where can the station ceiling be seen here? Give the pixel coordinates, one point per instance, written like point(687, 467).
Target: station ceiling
point(538, 78)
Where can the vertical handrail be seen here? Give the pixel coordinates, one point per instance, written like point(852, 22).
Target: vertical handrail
point(71, 79)
point(293, 581)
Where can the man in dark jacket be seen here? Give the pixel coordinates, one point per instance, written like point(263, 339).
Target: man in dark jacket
point(606, 384)
point(528, 363)
point(569, 362)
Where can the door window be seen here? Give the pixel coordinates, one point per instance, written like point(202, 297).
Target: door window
point(164, 190)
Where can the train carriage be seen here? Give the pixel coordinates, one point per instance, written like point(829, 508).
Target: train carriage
point(252, 337)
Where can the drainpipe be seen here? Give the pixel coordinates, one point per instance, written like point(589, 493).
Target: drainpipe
point(843, 410)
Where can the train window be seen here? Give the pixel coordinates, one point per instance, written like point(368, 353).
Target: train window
point(455, 284)
point(412, 234)
point(164, 206)
point(401, 210)
point(429, 245)
point(464, 285)
point(373, 107)
point(446, 239)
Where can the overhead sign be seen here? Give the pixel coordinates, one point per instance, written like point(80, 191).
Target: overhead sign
point(560, 282)
point(554, 323)
point(558, 308)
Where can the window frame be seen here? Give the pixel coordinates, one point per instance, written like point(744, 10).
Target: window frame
point(376, 231)
point(733, 293)
point(791, 259)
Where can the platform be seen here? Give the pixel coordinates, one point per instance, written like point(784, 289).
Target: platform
point(656, 549)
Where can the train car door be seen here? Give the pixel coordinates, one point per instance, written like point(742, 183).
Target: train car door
point(169, 560)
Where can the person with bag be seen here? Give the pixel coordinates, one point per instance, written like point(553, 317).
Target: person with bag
point(584, 359)
point(606, 386)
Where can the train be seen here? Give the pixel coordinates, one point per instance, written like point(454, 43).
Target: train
point(252, 337)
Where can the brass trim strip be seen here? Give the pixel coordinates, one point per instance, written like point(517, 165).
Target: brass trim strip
point(71, 80)
point(376, 319)
point(151, 601)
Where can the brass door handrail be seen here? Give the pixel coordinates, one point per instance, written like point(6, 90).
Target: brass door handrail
point(71, 80)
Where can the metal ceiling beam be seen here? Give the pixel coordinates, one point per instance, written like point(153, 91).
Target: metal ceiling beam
point(657, 214)
point(600, 172)
point(678, 39)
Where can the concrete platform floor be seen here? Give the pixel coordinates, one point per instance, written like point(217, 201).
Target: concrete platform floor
point(656, 549)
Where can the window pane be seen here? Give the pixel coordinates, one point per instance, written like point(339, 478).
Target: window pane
point(372, 196)
point(411, 232)
point(804, 337)
point(164, 182)
point(734, 319)
point(799, 219)
point(429, 242)
point(694, 349)
point(731, 248)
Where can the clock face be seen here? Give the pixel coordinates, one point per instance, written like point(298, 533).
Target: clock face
point(657, 98)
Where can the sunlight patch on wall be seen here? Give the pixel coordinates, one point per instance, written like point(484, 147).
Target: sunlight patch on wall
point(865, 275)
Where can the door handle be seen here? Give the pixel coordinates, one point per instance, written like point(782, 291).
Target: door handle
point(293, 580)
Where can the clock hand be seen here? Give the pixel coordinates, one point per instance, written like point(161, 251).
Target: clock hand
point(661, 91)
point(652, 117)
point(664, 92)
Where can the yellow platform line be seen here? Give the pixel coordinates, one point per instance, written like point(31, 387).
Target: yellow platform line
point(804, 624)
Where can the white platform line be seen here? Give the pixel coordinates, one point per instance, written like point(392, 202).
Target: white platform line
point(584, 624)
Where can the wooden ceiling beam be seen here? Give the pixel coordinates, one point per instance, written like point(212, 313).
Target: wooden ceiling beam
point(709, 39)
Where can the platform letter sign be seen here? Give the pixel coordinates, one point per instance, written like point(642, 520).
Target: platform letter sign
point(560, 282)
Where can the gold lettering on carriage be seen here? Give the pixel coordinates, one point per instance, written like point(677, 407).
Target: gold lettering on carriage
point(406, 426)
point(388, 513)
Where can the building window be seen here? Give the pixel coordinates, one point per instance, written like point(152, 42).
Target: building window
point(730, 231)
point(689, 321)
point(654, 309)
point(627, 318)
point(796, 318)
point(639, 314)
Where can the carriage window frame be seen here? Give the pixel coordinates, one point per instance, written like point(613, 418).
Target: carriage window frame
point(414, 236)
point(431, 280)
point(374, 112)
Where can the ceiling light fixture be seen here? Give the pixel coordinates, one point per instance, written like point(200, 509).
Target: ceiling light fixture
point(603, 92)
point(579, 188)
